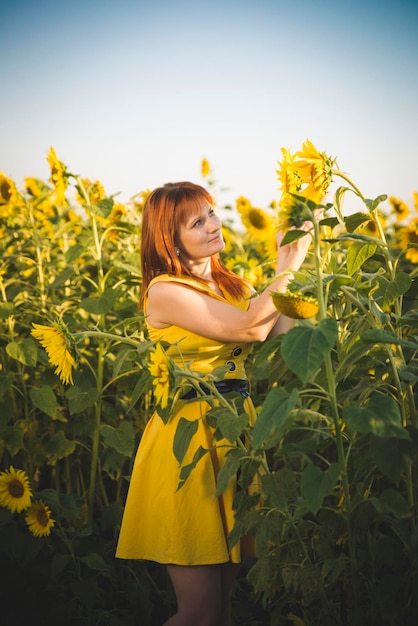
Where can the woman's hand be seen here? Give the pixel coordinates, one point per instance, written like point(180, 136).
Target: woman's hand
point(292, 255)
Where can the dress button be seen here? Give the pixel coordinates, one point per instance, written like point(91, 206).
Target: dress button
point(236, 351)
point(231, 366)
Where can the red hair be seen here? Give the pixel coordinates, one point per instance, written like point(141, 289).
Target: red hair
point(165, 210)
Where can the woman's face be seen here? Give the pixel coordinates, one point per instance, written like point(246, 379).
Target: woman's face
point(201, 235)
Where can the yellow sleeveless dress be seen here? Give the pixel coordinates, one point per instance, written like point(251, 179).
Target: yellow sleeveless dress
point(188, 526)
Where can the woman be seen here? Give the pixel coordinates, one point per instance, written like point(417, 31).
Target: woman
point(204, 312)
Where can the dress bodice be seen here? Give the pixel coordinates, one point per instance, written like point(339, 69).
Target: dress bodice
point(200, 353)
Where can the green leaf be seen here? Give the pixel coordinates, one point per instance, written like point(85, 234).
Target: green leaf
point(140, 388)
point(185, 431)
point(230, 425)
point(228, 470)
point(373, 204)
point(357, 254)
point(45, 400)
point(381, 417)
point(81, 399)
point(293, 235)
point(384, 336)
point(95, 562)
point(391, 501)
point(59, 447)
point(121, 439)
point(74, 253)
point(25, 352)
point(316, 484)
point(304, 348)
point(186, 470)
point(353, 221)
point(280, 487)
point(271, 423)
point(62, 277)
point(392, 456)
point(13, 437)
point(391, 290)
point(103, 208)
point(99, 304)
point(6, 310)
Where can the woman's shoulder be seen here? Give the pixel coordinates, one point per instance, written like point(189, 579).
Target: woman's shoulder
point(186, 281)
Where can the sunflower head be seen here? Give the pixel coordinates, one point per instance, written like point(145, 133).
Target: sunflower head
point(294, 304)
point(294, 211)
point(160, 369)
point(308, 172)
point(39, 520)
point(205, 167)
point(408, 238)
point(59, 176)
point(399, 208)
point(60, 347)
point(94, 191)
point(15, 491)
point(258, 223)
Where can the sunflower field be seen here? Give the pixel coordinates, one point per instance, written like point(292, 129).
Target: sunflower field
point(335, 444)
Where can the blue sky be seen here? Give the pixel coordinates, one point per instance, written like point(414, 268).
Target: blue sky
point(135, 93)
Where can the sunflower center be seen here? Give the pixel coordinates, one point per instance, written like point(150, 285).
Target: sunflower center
point(16, 489)
point(42, 518)
point(257, 219)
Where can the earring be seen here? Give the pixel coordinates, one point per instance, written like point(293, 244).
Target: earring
point(177, 252)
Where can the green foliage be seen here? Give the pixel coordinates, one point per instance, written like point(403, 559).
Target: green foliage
point(326, 475)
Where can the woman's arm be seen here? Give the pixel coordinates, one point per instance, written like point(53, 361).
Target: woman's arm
point(173, 303)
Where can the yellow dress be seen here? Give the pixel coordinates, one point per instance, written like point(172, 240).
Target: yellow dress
point(188, 526)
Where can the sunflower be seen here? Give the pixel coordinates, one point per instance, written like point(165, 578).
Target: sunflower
point(289, 177)
point(294, 304)
point(248, 268)
point(415, 199)
point(10, 198)
point(160, 370)
point(407, 236)
point(315, 170)
point(15, 491)
point(39, 520)
point(371, 227)
point(94, 191)
point(59, 176)
point(307, 172)
point(205, 167)
point(60, 348)
point(399, 207)
point(293, 212)
point(258, 223)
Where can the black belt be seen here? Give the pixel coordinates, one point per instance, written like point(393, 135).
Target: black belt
point(241, 385)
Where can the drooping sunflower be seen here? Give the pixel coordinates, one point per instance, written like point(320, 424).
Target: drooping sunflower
point(399, 208)
point(159, 368)
point(294, 211)
point(39, 520)
point(288, 175)
point(308, 172)
point(294, 304)
point(315, 170)
point(59, 176)
point(15, 491)
point(60, 347)
point(10, 198)
point(407, 236)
